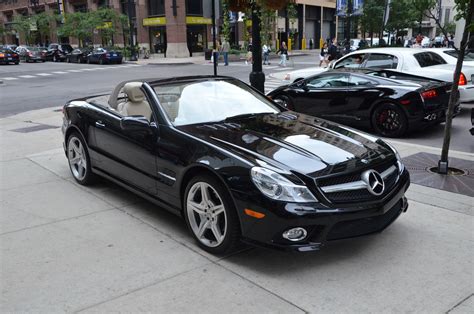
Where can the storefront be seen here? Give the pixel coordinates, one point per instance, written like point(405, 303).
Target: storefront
point(157, 33)
point(197, 31)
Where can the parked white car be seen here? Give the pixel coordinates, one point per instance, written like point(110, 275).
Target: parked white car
point(417, 61)
point(450, 55)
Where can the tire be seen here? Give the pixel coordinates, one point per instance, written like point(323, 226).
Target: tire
point(389, 120)
point(17, 62)
point(68, 60)
point(55, 59)
point(88, 61)
point(214, 224)
point(78, 60)
point(78, 159)
point(284, 101)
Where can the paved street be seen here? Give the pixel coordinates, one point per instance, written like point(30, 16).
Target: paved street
point(69, 248)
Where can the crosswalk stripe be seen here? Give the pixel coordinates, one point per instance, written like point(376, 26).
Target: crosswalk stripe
point(27, 76)
point(9, 78)
point(60, 72)
point(43, 74)
point(74, 71)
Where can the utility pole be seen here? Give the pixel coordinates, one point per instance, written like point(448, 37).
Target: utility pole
point(257, 77)
point(133, 56)
point(348, 23)
point(214, 54)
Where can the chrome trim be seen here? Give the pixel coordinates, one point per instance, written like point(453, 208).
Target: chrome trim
point(355, 185)
point(166, 176)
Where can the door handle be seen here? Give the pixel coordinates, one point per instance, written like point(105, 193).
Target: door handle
point(99, 124)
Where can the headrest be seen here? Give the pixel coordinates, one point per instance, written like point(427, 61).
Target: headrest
point(134, 91)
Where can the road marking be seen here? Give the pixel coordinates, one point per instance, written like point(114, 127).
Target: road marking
point(74, 71)
point(44, 74)
point(27, 76)
point(60, 72)
point(9, 78)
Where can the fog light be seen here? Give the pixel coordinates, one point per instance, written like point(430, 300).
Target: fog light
point(295, 234)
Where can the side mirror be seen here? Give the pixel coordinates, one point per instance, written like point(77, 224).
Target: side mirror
point(135, 124)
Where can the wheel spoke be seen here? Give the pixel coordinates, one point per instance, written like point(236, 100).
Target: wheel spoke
point(217, 210)
point(198, 208)
point(202, 228)
point(80, 171)
point(205, 194)
point(76, 160)
point(215, 230)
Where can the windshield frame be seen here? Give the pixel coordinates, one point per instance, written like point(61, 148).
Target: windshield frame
point(195, 80)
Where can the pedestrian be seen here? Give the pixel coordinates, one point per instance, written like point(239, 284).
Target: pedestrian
point(249, 58)
point(323, 55)
point(311, 43)
point(451, 41)
point(332, 51)
point(266, 52)
point(283, 54)
point(225, 48)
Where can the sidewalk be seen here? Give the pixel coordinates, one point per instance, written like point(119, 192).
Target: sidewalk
point(69, 248)
point(201, 60)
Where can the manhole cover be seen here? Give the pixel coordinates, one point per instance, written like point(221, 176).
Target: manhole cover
point(423, 166)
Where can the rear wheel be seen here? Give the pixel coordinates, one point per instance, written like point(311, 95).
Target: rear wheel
point(79, 161)
point(210, 215)
point(389, 120)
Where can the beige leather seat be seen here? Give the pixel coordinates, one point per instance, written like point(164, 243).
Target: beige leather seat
point(136, 105)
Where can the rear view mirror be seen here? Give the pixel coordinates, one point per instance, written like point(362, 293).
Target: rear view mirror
point(135, 124)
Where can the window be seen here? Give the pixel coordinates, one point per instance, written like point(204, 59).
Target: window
point(382, 61)
point(194, 7)
point(328, 81)
point(353, 61)
point(469, 55)
point(426, 59)
point(360, 81)
point(156, 7)
point(447, 13)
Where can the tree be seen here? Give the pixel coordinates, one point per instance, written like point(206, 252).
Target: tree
point(226, 22)
point(465, 10)
point(22, 25)
point(400, 18)
point(371, 19)
point(43, 22)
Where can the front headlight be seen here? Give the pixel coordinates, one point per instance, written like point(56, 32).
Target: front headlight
point(277, 187)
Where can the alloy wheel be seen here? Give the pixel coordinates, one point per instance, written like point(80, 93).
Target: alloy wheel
point(206, 214)
point(388, 120)
point(77, 158)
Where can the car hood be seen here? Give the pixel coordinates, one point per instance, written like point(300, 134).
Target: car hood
point(294, 142)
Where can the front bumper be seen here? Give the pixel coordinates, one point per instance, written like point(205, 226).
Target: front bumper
point(322, 224)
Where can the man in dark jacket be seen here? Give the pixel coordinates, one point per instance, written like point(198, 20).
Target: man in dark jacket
point(333, 50)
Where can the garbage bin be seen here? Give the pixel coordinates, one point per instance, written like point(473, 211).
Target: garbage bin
point(207, 54)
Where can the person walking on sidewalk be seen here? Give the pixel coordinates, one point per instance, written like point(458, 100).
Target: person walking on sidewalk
point(266, 52)
point(225, 48)
point(324, 55)
point(283, 54)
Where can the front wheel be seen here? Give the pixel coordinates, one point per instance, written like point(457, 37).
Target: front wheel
point(389, 120)
point(210, 215)
point(79, 161)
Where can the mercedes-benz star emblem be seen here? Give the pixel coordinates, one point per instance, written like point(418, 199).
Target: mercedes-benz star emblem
point(374, 182)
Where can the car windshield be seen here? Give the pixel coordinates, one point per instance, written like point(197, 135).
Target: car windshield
point(469, 56)
point(210, 101)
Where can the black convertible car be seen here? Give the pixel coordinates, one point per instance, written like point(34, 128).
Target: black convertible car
point(234, 164)
point(390, 102)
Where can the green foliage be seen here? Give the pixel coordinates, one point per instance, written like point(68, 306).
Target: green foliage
point(226, 22)
point(463, 7)
point(22, 25)
point(371, 19)
point(267, 22)
point(400, 17)
point(83, 25)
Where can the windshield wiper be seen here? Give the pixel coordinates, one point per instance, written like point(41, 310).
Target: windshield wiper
point(245, 116)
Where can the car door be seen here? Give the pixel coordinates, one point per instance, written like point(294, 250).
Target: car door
point(126, 155)
point(363, 91)
point(323, 95)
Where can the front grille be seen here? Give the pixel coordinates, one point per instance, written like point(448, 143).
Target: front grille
point(358, 227)
point(359, 195)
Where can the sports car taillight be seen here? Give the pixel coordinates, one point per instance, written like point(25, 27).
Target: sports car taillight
point(462, 79)
point(429, 94)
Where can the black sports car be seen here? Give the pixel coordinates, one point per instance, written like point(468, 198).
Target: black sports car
point(390, 102)
point(234, 164)
point(8, 56)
